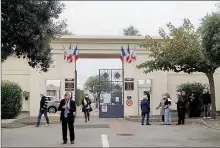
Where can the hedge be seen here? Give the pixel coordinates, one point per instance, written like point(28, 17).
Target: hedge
point(11, 99)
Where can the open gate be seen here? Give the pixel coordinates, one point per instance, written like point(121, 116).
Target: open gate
point(111, 93)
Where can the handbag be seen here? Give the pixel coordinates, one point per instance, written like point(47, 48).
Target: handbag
point(90, 109)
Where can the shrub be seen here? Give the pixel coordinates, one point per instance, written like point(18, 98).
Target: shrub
point(192, 87)
point(11, 99)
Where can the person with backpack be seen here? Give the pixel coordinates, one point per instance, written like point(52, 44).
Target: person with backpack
point(86, 107)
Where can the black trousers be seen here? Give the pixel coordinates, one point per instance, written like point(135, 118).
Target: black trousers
point(181, 116)
point(70, 122)
point(163, 118)
point(86, 114)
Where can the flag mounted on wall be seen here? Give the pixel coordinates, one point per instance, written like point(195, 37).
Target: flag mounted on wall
point(68, 54)
point(123, 54)
point(133, 55)
point(128, 55)
point(75, 53)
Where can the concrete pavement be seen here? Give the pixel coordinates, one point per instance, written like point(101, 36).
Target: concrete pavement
point(112, 133)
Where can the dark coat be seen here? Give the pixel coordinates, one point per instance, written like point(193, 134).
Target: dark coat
point(72, 108)
point(85, 106)
point(206, 99)
point(181, 103)
point(43, 103)
point(145, 106)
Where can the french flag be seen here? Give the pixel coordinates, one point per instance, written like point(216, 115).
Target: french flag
point(133, 55)
point(69, 55)
point(128, 58)
point(123, 54)
point(76, 54)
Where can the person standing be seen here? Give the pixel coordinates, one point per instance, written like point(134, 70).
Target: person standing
point(86, 107)
point(145, 110)
point(181, 108)
point(161, 106)
point(67, 108)
point(206, 97)
point(167, 112)
point(43, 110)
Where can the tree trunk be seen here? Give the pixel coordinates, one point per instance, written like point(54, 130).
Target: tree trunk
point(212, 92)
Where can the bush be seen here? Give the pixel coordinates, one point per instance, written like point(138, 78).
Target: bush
point(192, 87)
point(194, 108)
point(11, 99)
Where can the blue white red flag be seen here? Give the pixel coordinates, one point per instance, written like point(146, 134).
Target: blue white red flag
point(123, 54)
point(128, 56)
point(75, 53)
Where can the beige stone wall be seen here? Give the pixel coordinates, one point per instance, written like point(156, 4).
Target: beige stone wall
point(17, 70)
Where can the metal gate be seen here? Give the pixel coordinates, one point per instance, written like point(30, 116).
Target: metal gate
point(111, 93)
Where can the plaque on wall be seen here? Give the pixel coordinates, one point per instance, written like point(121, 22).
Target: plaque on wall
point(129, 86)
point(129, 79)
point(69, 84)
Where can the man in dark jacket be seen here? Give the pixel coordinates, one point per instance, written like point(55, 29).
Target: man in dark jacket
point(181, 108)
point(67, 108)
point(145, 110)
point(206, 103)
point(43, 110)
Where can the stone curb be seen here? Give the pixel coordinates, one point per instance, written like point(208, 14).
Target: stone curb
point(203, 122)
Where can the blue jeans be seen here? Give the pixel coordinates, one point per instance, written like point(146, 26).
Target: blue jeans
point(41, 112)
point(167, 116)
point(207, 110)
point(143, 117)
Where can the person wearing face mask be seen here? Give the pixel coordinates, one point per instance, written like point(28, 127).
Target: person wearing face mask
point(67, 108)
point(161, 106)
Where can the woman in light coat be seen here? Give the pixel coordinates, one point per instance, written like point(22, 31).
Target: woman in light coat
point(161, 106)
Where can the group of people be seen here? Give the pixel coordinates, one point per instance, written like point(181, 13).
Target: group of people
point(67, 110)
point(183, 103)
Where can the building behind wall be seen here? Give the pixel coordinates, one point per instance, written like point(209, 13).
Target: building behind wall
point(33, 81)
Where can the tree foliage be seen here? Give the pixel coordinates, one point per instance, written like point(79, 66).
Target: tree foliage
point(67, 32)
point(210, 31)
point(181, 53)
point(131, 31)
point(28, 26)
point(190, 88)
point(80, 96)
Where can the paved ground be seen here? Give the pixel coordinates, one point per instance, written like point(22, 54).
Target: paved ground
point(103, 133)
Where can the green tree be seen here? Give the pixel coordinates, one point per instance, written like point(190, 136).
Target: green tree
point(131, 31)
point(210, 31)
point(80, 96)
point(28, 28)
point(67, 32)
point(181, 53)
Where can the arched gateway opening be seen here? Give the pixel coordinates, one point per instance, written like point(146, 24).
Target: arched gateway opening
point(108, 93)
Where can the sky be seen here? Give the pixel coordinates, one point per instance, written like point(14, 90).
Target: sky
point(111, 17)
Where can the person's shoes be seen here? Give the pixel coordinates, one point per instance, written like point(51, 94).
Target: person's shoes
point(47, 125)
point(142, 124)
point(85, 120)
point(36, 125)
point(148, 124)
point(209, 117)
point(204, 117)
point(64, 142)
point(88, 119)
point(72, 142)
point(178, 124)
